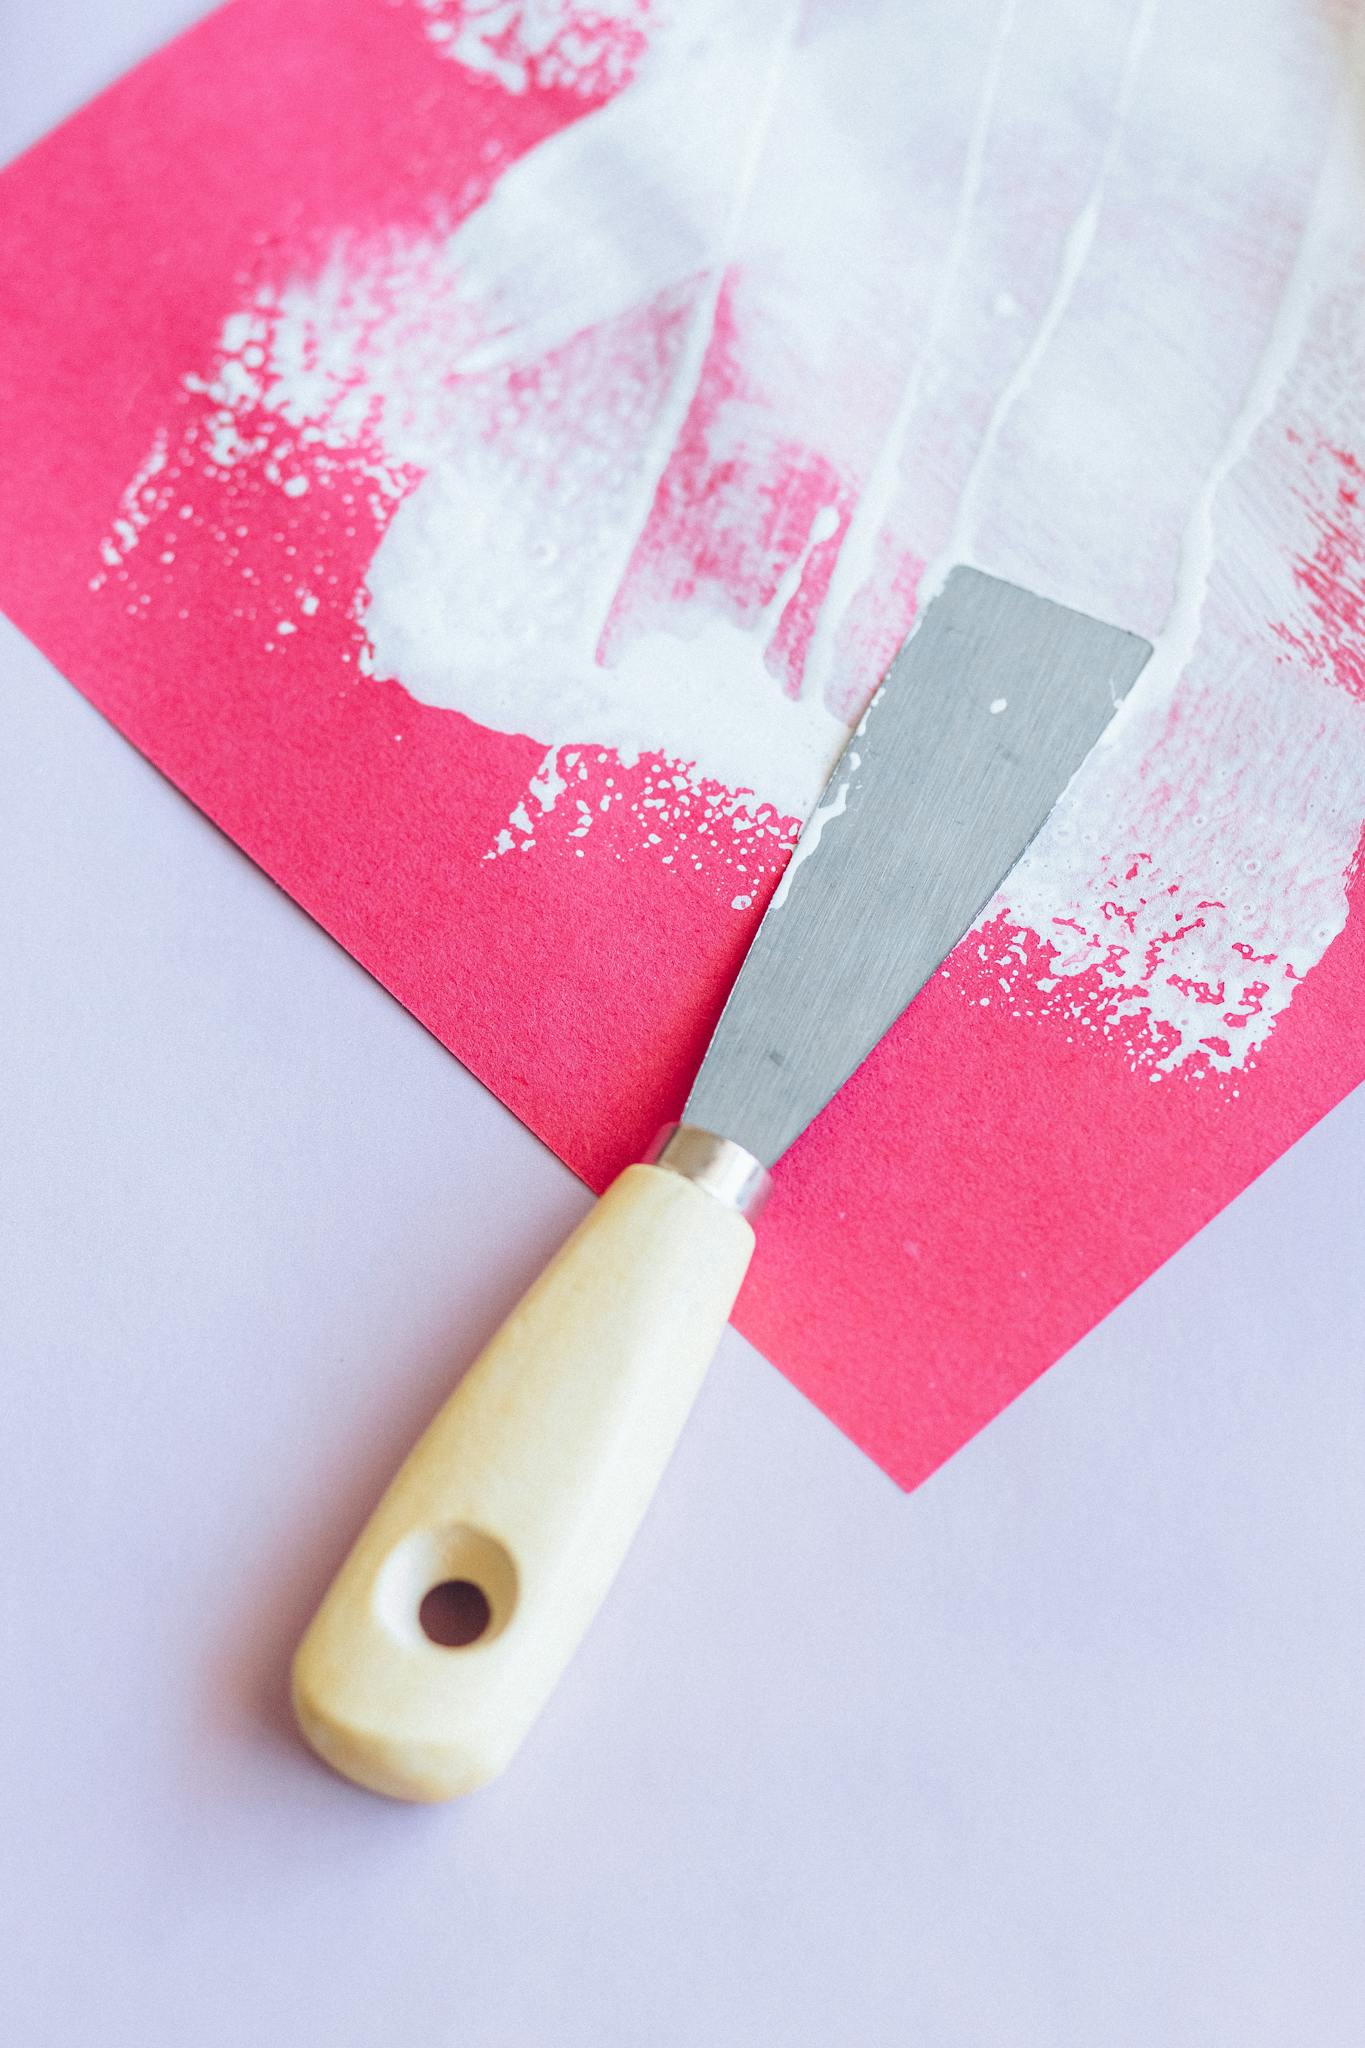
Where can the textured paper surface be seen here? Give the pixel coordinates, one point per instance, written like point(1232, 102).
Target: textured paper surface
point(484, 454)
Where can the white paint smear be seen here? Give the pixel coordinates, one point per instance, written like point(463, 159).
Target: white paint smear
point(516, 654)
point(1036, 285)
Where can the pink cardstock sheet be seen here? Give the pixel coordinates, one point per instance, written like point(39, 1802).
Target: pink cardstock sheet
point(486, 454)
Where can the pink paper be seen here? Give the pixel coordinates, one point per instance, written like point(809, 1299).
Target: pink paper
point(485, 455)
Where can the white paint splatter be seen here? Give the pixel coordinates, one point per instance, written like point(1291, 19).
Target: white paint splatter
point(143, 500)
point(545, 43)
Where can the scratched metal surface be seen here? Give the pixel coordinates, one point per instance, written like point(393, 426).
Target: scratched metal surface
point(986, 714)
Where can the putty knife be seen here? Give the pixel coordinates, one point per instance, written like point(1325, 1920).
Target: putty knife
point(469, 1589)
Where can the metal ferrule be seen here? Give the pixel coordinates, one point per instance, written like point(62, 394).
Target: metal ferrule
point(718, 1165)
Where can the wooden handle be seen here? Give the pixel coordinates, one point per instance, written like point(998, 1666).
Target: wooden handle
point(520, 1500)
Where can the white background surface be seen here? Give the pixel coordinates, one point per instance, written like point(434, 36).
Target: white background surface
point(1066, 1748)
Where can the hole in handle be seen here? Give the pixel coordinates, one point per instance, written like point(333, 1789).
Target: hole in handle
point(454, 1614)
point(453, 1586)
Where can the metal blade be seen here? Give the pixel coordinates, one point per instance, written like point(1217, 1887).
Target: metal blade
point(985, 715)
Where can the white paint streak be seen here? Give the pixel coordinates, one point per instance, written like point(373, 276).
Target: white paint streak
point(1075, 249)
point(1336, 193)
point(830, 807)
point(636, 197)
point(826, 811)
point(1198, 862)
point(701, 322)
point(854, 565)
